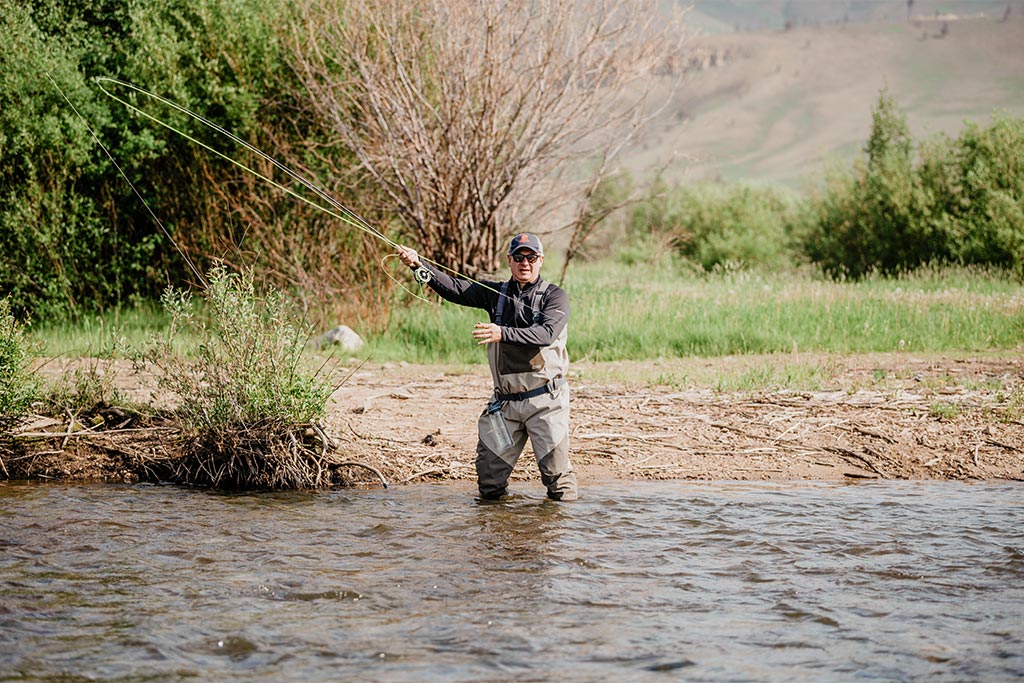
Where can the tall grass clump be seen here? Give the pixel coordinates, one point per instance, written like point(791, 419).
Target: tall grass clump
point(18, 387)
point(248, 407)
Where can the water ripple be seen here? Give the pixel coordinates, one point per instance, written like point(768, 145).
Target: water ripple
point(636, 582)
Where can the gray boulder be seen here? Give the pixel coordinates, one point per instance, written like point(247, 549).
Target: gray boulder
point(342, 335)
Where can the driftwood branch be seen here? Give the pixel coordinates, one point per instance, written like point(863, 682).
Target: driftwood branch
point(850, 455)
point(353, 463)
point(422, 473)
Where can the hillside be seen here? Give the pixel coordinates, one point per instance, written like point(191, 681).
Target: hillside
point(778, 106)
point(717, 16)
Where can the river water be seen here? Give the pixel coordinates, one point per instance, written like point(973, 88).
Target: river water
point(638, 581)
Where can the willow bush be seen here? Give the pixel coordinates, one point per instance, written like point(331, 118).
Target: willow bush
point(249, 409)
point(18, 387)
point(75, 239)
point(904, 205)
point(953, 201)
point(721, 226)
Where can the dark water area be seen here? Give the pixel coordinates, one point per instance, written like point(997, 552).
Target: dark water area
point(638, 581)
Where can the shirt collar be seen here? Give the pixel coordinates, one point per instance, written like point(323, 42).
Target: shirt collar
point(528, 286)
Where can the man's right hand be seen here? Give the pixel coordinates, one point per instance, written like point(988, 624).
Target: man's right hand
point(409, 257)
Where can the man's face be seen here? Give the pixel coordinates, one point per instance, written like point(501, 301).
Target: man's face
point(524, 271)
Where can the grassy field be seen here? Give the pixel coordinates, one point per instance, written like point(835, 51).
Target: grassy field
point(661, 309)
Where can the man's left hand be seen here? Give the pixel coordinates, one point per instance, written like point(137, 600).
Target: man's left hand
point(486, 333)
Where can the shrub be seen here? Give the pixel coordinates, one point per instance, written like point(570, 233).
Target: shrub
point(72, 238)
point(245, 399)
point(719, 226)
point(18, 387)
point(961, 203)
point(977, 182)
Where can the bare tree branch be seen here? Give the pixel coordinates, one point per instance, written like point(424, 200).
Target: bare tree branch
point(471, 116)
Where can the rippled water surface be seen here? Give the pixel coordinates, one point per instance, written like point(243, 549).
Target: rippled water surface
point(638, 581)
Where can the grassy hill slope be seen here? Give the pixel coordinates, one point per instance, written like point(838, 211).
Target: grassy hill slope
point(784, 104)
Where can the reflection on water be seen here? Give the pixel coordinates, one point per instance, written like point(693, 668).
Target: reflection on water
point(638, 581)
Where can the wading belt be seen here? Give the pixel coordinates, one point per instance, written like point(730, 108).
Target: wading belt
point(549, 388)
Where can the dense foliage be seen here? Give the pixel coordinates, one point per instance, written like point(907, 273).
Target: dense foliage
point(75, 238)
point(722, 226)
point(902, 206)
point(959, 201)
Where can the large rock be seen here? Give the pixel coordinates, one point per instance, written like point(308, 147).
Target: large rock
point(342, 335)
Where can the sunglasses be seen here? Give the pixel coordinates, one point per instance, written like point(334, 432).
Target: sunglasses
point(518, 258)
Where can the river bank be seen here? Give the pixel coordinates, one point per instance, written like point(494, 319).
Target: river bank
point(871, 416)
point(876, 417)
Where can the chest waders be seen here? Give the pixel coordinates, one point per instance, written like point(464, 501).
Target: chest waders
point(530, 402)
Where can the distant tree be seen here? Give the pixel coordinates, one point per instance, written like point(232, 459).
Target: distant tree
point(962, 202)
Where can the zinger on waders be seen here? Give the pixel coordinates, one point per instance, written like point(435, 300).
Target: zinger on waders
point(526, 352)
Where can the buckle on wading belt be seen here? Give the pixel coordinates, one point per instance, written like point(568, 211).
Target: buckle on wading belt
point(549, 388)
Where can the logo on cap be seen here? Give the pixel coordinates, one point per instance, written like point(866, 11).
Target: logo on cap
point(527, 241)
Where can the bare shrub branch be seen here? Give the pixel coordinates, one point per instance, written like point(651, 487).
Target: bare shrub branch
point(476, 119)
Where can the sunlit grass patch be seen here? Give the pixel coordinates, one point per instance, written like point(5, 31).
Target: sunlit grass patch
point(18, 385)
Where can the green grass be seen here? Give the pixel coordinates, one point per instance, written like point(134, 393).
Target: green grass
point(101, 336)
point(660, 310)
point(643, 311)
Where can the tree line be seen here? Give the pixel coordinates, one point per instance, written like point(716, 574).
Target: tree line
point(447, 123)
point(902, 204)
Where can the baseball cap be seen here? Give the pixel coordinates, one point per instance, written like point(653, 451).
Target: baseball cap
point(525, 240)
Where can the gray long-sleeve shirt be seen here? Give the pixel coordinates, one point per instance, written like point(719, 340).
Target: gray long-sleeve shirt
point(519, 323)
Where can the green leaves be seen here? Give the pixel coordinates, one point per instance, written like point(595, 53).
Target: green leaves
point(247, 368)
point(18, 386)
point(962, 202)
point(74, 238)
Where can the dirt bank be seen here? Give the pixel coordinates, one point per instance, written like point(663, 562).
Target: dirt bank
point(878, 417)
point(868, 417)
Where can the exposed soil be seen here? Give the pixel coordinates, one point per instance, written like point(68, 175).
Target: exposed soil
point(874, 417)
point(919, 427)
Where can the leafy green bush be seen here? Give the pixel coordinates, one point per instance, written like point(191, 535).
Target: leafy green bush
point(17, 384)
point(977, 182)
point(720, 226)
point(74, 238)
point(69, 239)
point(248, 364)
point(245, 400)
point(962, 201)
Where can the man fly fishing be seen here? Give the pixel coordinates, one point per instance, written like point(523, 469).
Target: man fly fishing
point(526, 352)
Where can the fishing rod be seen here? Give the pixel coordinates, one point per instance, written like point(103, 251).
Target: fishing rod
point(347, 215)
point(339, 210)
point(167, 233)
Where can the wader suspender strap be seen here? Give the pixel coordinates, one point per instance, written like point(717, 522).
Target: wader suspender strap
point(502, 295)
point(535, 298)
